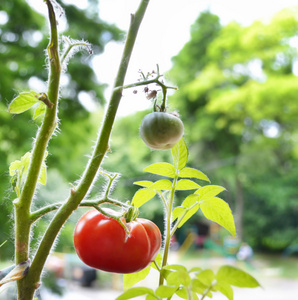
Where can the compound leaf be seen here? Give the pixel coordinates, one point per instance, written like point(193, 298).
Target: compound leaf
point(144, 183)
point(236, 277)
point(162, 168)
point(193, 173)
point(186, 184)
point(135, 292)
point(133, 278)
point(209, 191)
point(142, 196)
point(164, 184)
point(180, 154)
point(217, 210)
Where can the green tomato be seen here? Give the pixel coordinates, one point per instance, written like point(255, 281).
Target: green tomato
point(161, 130)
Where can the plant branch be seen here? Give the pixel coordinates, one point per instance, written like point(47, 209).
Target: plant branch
point(23, 204)
point(178, 222)
point(101, 147)
point(168, 229)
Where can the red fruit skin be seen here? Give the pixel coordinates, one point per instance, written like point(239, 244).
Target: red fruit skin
point(102, 243)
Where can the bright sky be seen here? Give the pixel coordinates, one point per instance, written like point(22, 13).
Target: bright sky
point(164, 31)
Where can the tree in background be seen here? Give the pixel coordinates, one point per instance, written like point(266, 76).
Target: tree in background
point(238, 93)
point(23, 37)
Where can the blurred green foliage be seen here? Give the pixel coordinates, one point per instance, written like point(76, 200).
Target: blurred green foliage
point(237, 97)
point(23, 41)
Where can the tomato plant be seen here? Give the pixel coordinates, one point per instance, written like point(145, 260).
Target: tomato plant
point(161, 130)
point(102, 243)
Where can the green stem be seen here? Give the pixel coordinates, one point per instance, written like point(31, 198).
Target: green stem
point(23, 204)
point(168, 229)
point(206, 292)
point(178, 222)
point(102, 145)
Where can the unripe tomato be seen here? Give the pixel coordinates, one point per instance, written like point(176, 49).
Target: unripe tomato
point(161, 130)
point(102, 243)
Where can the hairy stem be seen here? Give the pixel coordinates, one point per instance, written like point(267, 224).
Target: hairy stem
point(94, 163)
point(23, 204)
point(168, 229)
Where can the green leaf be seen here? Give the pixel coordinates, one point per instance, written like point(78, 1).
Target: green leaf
point(190, 200)
point(209, 191)
point(164, 184)
point(43, 174)
point(135, 292)
point(182, 293)
point(206, 277)
point(152, 297)
point(180, 154)
point(164, 169)
point(198, 287)
point(194, 296)
point(175, 267)
point(217, 210)
point(23, 102)
point(133, 278)
point(40, 110)
point(195, 269)
point(193, 173)
point(186, 184)
point(189, 214)
point(142, 196)
point(179, 277)
point(225, 289)
point(165, 291)
point(144, 183)
point(236, 277)
point(178, 212)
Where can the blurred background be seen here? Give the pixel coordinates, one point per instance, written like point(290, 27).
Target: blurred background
point(238, 98)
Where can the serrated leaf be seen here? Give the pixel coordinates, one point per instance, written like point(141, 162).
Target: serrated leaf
point(209, 191)
point(236, 277)
point(186, 184)
point(189, 214)
point(23, 102)
point(144, 183)
point(39, 111)
point(193, 173)
point(206, 277)
point(133, 278)
point(135, 292)
point(225, 289)
point(217, 210)
point(178, 212)
point(180, 154)
point(162, 168)
point(164, 185)
point(165, 291)
point(190, 200)
point(142, 196)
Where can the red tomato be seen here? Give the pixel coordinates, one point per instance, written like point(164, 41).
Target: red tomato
point(102, 243)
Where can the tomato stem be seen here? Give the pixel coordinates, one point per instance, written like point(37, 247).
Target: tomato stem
point(168, 222)
point(118, 219)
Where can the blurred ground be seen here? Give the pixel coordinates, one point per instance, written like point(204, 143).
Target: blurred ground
point(276, 284)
